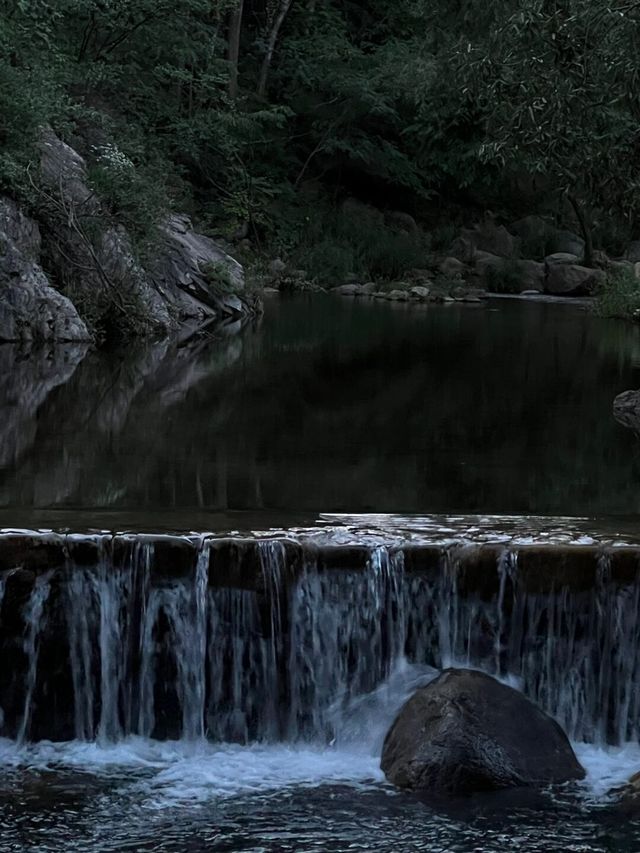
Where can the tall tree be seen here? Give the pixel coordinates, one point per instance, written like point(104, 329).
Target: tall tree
point(233, 54)
point(272, 39)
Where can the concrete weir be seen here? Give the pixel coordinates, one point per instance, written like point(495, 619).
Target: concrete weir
point(262, 636)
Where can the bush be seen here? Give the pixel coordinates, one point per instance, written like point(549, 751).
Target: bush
point(333, 245)
point(619, 296)
point(503, 278)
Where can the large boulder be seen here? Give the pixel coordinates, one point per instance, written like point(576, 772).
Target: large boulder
point(466, 732)
point(520, 274)
point(492, 238)
point(564, 278)
point(531, 229)
point(531, 273)
point(626, 410)
point(31, 310)
point(566, 241)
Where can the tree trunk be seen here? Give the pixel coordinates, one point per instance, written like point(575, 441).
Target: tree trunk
point(285, 5)
point(585, 227)
point(233, 52)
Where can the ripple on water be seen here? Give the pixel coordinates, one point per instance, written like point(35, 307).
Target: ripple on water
point(168, 797)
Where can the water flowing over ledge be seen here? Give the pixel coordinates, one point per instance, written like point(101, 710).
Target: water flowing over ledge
point(308, 635)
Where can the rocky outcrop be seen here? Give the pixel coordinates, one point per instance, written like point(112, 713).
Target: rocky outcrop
point(466, 732)
point(194, 274)
point(626, 409)
point(31, 310)
point(190, 280)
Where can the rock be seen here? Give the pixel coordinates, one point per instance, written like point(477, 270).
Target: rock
point(566, 242)
point(369, 288)
point(270, 291)
point(466, 732)
point(30, 308)
point(531, 229)
point(462, 249)
point(194, 274)
point(398, 295)
point(531, 274)
point(459, 292)
point(277, 267)
point(63, 173)
point(491, 238)
point(564, 279)
point(21, 230)
point(420, 292)
point(190, 280)
point(626, 410)
point(628, 796)
point(347, 290)
point(561, 258)
point(485, 264)
point(530, 293)
point(452, 268)
point(401, 221)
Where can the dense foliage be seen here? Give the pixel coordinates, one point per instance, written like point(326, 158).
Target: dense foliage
point(257, 114)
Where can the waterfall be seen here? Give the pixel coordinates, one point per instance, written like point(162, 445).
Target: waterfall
point(295, 650)
point(34, 621)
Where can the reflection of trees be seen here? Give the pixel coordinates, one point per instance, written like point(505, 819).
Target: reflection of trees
point(343, 405)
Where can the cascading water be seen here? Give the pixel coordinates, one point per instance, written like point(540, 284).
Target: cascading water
point(304, 656)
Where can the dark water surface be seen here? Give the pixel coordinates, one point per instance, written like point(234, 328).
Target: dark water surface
point(53, 812)
point(334, 405)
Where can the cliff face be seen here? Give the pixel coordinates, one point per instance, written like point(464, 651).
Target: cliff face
point(74, 274)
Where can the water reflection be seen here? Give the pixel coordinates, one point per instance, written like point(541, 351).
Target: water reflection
point(334, 405)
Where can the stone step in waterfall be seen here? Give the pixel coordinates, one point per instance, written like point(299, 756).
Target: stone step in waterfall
point(278, 637)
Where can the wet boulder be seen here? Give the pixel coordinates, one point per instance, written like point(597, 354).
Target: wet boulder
point(627, 797)
point(465, 732)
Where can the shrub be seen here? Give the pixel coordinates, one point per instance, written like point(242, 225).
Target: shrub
point(619, 296)
point(333, 245)
point(503, 278)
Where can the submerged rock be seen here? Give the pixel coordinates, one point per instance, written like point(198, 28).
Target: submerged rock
point(466, 732)
point(626, 409)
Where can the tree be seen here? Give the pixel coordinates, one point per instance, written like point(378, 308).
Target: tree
point(556, 83)
point(274, 30)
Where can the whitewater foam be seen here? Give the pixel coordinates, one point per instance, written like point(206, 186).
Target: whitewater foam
point(174, 773)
